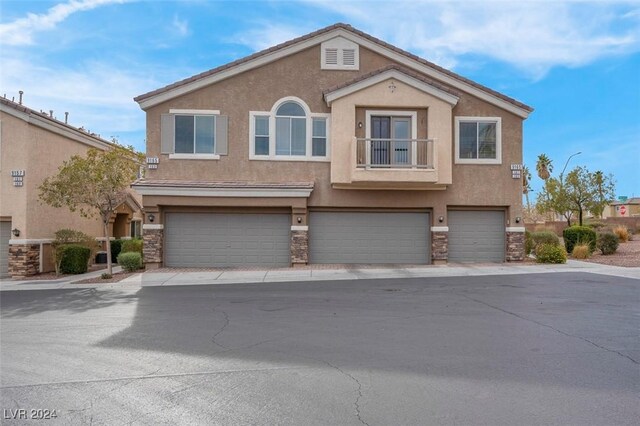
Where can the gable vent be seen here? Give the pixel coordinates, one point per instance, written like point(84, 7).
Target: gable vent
point(331, 56)
point(348, 57)
point(339, 53)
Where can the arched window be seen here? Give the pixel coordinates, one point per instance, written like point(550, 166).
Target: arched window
point(291, 129)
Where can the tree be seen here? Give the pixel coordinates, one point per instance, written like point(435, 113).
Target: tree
point(544, 167)
point(553, 198)
point(94, 185)
point(526, 184)
point(604, 193)
point(581, 191)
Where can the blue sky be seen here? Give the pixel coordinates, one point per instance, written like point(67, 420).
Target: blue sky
point(577, 62)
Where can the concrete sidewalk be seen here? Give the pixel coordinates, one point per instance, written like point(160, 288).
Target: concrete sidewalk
point(177, 278)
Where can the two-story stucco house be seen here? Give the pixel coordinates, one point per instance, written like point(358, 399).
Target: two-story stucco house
point(334, 147)
point(33, 145)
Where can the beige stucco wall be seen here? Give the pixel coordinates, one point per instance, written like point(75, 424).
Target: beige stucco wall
point(300, 75)
point(40, 153)
point(344, 124)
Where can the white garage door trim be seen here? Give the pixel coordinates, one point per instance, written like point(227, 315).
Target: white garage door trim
point(476, 236)
point(5, 236)
point(369, 237)
point(206, 240)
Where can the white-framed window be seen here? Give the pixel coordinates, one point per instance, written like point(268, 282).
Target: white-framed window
point(290, 131)
point(194, 134)
point(478, 140)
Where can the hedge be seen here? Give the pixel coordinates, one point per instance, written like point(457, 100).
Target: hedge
point(116, 248)
point(579, 234)
point(129, 246)
point(75, 259)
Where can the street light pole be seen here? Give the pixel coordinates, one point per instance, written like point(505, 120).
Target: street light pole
point(565, 166)
point(562, 176)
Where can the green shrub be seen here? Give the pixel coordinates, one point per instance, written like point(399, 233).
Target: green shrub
point(544, 237)
point(579, 234)
point(596, 225)
point(116, 248)
point(549, 253)
point(106, 276)
point(131, 261)
point(608, 243)
point(129, 246)
point(528, 243)
point(65, 237)
point(75, 259)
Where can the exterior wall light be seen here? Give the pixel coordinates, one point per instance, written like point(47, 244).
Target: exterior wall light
point(360, 125)
point(299, 219)
point(15, 232)
point(518, 219)
point(441, 219)
point(151, 217)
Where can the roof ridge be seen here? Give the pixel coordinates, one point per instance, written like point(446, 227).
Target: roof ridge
point(316, 33)
point(25, 109)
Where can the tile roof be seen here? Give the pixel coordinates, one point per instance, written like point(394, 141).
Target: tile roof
point(170, 183)
point(317, 33)
point(43, 115)
point(395, 67)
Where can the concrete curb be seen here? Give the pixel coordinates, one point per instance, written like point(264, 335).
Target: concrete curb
point(156, 279)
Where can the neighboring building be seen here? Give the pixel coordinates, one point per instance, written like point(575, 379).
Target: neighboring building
point(33, 145)
point(627, 207)
point(334, 147)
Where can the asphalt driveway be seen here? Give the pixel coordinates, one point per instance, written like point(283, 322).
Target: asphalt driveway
point(554, 348)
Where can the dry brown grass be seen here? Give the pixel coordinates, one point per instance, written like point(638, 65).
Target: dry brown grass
point(622, 233)
point(581, 251)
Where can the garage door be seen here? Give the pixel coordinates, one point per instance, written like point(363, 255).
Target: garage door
point(5, 235)
point(476, 236)
point(357, 237)
point(218, 240)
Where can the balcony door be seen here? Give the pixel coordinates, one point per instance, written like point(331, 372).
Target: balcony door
point(390, 143)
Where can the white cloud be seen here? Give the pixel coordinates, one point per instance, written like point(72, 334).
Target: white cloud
point(22, 30)
point(180, 26)
point(266, 35)
point(534, 36)
point(98, 96)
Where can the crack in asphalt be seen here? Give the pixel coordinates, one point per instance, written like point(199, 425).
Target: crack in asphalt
point(217, 333)
point(552, 328)
point(159, 376)
point(356, 403)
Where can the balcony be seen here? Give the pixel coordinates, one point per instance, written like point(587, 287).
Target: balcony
point(395, 153)
point(393, 164)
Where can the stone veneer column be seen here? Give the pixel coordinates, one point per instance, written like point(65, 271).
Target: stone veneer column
point(152, 236)
point(515, 244)
point(24, 260)
point(439, 244)
point(299, 245)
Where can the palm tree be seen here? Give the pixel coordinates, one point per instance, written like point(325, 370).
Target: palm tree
point(544, 167)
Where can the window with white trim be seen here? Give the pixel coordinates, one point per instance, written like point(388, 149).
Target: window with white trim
point(290, 131)
point(478, 140)
point(191, 134)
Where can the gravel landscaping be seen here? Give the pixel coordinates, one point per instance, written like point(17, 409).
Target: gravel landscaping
point(628, 254)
